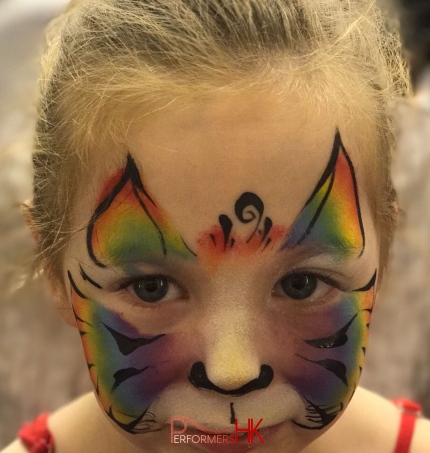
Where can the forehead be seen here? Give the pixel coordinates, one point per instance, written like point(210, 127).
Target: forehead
point(197, 159)
point(206, 154)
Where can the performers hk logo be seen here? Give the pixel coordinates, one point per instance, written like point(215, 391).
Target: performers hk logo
point(211, 436)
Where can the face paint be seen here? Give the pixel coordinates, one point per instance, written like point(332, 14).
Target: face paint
point(128, 369)
point(224, 240)
point(328, 364)
point(327, 367)
point(127, 225)
point(332, 215)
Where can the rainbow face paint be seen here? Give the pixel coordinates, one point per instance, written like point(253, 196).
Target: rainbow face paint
point(327, 363)
point(319, 353)
point(332, 214)
point(128, 226)
point(128, 369)
point(223, 241)
point(327, 367)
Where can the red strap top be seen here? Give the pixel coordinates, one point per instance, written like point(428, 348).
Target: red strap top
point(410, 413)
point(36, 436)
point(38, 439)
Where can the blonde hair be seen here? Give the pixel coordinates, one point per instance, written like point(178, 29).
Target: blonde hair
point(111, 61)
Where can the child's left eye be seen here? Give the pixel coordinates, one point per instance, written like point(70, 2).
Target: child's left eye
point(301, 286)
point(155, 288)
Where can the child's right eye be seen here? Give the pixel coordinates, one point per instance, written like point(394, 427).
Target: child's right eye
point(155, 288)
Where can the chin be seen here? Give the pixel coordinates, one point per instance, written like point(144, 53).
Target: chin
point(284, 437)
point(184, 419)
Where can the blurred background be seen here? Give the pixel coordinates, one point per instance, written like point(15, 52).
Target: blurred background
point(41, 364)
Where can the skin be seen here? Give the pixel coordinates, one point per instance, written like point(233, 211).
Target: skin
point(226, 311)
point(129, 226)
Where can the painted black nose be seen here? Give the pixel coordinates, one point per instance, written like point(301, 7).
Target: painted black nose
point(199, 379)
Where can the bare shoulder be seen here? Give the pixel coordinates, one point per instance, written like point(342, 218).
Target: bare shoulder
point(377, 423)
point(15, 447)
point(58, 424)
point(421, 439)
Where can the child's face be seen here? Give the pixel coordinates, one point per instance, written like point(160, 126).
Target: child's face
point(226, 271)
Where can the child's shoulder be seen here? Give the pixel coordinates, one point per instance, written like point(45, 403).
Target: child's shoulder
point(82, 416)
point(62, 426)
point(421, 439)
point(372, 424)
point(15, 447)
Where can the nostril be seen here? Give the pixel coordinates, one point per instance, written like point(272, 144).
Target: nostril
point(198, 377)
point(198, 374)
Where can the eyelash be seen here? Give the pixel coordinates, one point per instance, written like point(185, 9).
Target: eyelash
point(326, 278)
point(127, 286)
point(304, 287)
point(180, 293)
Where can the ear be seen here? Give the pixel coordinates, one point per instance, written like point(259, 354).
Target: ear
point(60, 295)
point(56, 285)
point(397, 210)
point(26, 208)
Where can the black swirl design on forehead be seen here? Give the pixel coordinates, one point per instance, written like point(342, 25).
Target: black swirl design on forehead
point(249, 210)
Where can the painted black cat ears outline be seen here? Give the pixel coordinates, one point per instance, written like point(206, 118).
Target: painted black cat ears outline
point(297, 235)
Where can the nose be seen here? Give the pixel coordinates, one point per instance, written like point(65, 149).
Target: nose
point(231, 364)
point(199, 379)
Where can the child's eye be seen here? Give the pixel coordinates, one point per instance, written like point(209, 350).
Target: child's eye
point(154, 288)
point(301, 286)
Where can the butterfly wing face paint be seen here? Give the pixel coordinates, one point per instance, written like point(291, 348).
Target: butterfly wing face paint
point(127, 224)
point(332, 214)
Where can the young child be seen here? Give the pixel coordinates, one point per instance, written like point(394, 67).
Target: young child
point(213, 209)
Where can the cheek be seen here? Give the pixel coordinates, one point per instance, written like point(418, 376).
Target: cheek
point(321, 355)
point(128, 368)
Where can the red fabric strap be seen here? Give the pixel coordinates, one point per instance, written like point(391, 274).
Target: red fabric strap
point(36, 436)
point(411, 411)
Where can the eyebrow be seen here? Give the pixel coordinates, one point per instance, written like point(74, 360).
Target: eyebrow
point(120, 261)
point(342, 251)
